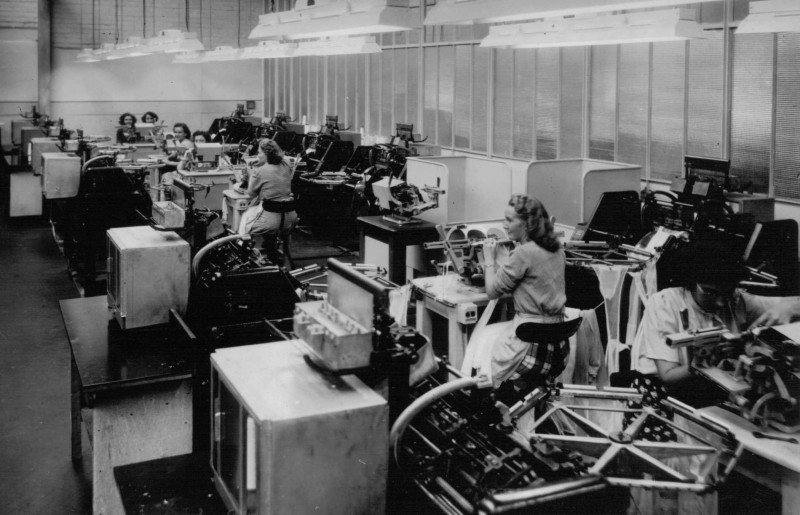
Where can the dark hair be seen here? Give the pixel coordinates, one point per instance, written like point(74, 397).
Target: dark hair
point(152, 114)
point(185, 128)
point(711, 260)
point(201, 133)
point(537, 222)
point(125, 115)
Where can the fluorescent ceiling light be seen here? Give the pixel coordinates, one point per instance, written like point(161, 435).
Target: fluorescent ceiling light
point(222, 53)
point(188, 58)
point(173, 41)
point(87, 55)
point(326, 18)
point(458, 12)
point(771, 16)
point(638, 27)
point(339, 46)
point(269, 50)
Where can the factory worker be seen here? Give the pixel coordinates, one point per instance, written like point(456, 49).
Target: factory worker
point(710, 297)
point(126, 132)
point(534, 276)
point(272, 213)
point(149, 117)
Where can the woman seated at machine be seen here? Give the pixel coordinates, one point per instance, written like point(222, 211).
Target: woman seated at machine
point(149, 117)
point(708, 298)
point(272, 213)
point(200, 137)
point(534, 276)
point(126, 132)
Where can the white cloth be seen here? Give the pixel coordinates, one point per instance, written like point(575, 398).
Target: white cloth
point(249, 217)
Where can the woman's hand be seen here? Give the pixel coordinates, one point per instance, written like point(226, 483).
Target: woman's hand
point(489, 251)
point(784, 312)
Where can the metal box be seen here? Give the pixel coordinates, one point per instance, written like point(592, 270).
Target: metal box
point(61, 175)
point(27, 134)
point(287, 439)
point(215, 182)
point(38, 147)
point(25, 197)
point(148, 274)
point(235, 205)
point(168, 214)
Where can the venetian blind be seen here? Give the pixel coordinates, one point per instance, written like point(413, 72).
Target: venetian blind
point(634, 83)
point(603, 102)
point(787, 108)
point(667, 110)
point(751, 109)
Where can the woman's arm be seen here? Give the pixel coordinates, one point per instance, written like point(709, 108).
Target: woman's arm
point(672, 373)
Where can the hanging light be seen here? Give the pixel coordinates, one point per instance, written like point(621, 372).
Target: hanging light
point(269, 50)
point(458, 12)
point(637, 27)
point(188, 58)
point(311, 19)
point(771, 16)
point(87, 55)
point(339, 46)
point(222, 53)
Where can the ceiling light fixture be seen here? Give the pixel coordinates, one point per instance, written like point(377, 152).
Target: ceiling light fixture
point(771, 16)
point(637, 27)
point(269, 49)
point(327, 18)
point(339, 46)
point(459, 12)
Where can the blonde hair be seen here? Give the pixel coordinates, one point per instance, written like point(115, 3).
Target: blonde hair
point(538, 226)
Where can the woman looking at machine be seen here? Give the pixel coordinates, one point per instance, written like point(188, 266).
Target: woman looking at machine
point(709, 297)
point(534, 276)
point(180, 142)
point(200, 137)
point(126, 132)
point(149, 117)
point(269, 186)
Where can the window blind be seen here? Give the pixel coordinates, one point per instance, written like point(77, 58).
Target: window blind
point(603, 102)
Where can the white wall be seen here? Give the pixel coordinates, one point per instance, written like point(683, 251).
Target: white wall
point(18, 76)
point(91, 96)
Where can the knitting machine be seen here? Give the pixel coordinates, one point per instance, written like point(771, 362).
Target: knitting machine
point(759, 370)
point(469, 453)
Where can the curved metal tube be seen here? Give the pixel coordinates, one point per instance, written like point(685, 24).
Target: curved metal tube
point(423, 402)
point(203, 251)
point(92, 160)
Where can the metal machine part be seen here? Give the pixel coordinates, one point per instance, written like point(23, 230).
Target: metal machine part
point(405, 201)
point(465, 251)
point(233, 283)
point(760, 371)
point(468, 453)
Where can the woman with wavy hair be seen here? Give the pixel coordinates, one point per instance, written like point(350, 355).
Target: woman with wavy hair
point(533, 275)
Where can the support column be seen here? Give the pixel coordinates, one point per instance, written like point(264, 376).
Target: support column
point(44, 55)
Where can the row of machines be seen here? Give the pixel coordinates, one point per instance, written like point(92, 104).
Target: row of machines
point(370, 399)
point(377, 423)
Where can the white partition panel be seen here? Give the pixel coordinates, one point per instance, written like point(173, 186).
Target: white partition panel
point(571, 188)
point(475, 188)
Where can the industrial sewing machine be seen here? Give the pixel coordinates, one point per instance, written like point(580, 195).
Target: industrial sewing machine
point(759, 369)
